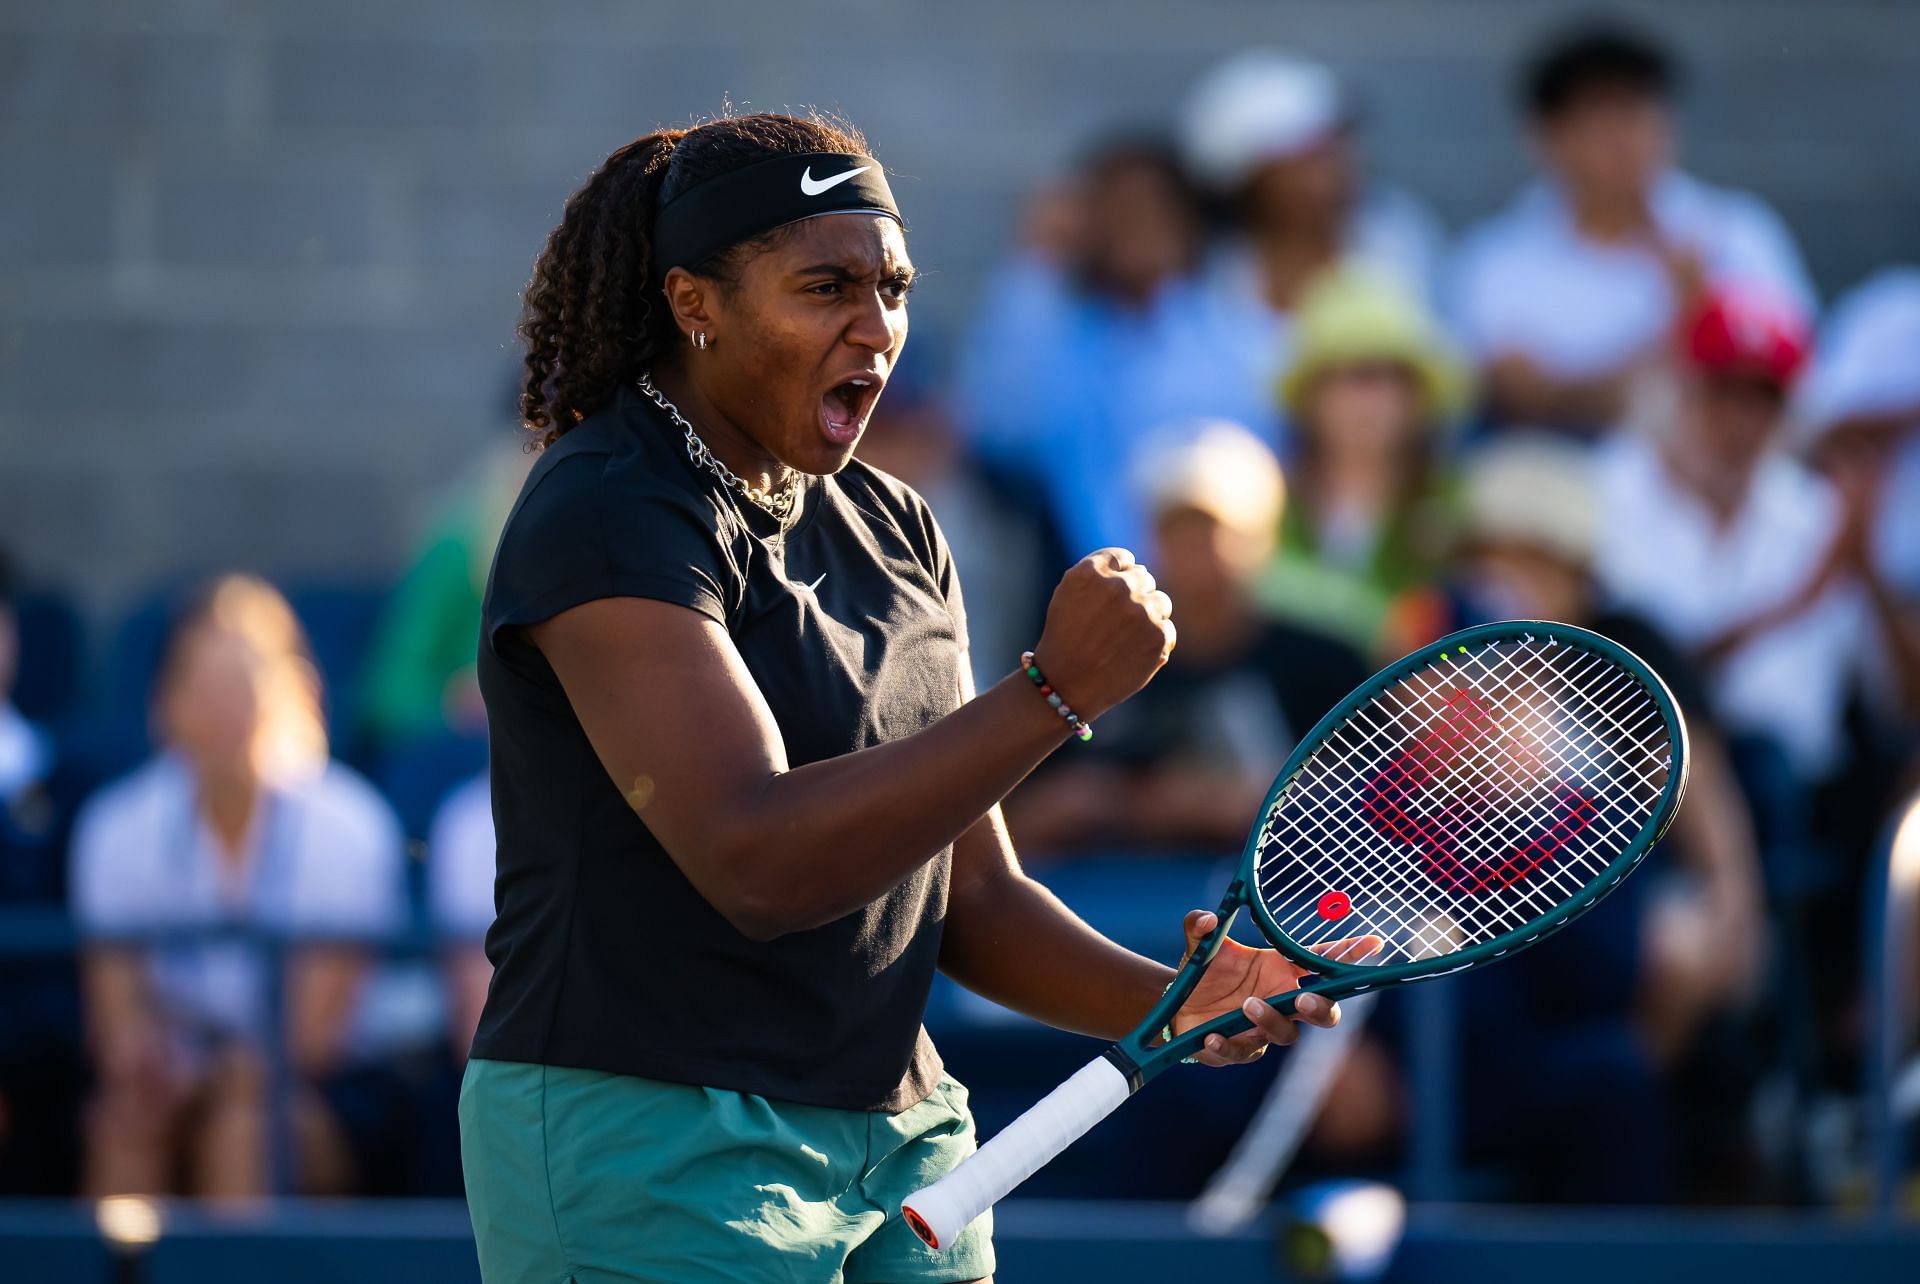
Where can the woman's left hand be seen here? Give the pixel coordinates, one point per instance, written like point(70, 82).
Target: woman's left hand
point(1242, 978)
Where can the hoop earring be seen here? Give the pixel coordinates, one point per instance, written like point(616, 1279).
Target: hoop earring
point(700, 340)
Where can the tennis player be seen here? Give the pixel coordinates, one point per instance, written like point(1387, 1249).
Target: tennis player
point(746, 799)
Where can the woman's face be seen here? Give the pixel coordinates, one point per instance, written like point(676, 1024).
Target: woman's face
point(1368, 409)
point(1140, 230)
point(210, 706)
point(804, 340)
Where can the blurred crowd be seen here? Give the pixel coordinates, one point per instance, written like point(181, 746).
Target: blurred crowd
point(1335, 433)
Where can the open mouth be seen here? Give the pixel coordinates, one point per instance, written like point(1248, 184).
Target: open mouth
point(845, 407)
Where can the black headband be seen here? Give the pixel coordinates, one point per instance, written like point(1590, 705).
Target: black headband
point(732, 207)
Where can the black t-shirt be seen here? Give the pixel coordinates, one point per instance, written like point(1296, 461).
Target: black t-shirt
point(605, 957)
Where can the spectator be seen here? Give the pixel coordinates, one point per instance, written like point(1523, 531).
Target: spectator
point(420, 679)
point(1096, 332)
point(39, 1037)
point(1183, 764)
point(1372, 387)
point(1566, 294)
point(1729, 546)
point(240, 821)
point(460, 868)
point(1274, 139)
point(1859, 409)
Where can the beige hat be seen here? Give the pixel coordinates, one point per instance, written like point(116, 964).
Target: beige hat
point(1216, 466)
point(1538, 490)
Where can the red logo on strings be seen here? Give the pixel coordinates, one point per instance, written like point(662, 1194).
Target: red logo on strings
point(1464, 724)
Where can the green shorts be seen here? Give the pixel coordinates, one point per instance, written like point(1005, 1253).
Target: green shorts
point(574, 1175)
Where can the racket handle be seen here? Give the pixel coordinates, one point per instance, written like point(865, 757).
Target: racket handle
point(940, 1212)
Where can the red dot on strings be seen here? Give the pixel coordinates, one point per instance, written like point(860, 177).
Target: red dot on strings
point(1335, 905)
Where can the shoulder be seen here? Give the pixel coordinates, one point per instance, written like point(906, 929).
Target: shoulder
point(115, 878)
point(883, 495)
point(1522, 223)
point(127, 809)
point(345, 811)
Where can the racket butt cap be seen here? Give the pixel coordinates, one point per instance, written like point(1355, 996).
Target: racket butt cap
point(920, 1227)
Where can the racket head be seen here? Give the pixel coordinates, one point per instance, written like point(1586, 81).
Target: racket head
point(1467, 800)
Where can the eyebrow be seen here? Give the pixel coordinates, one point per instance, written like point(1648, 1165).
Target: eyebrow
point(841, 272)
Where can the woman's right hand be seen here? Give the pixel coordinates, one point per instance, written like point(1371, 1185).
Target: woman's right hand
point(1108, 630)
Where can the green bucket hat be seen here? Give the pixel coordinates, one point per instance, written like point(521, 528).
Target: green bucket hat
point(1351, 315)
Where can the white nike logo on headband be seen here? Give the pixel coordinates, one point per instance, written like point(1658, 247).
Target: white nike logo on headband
point(813, 187)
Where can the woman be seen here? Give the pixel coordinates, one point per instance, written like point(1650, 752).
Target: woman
point(240, 821)
point(1372, 385)
point(745, 802)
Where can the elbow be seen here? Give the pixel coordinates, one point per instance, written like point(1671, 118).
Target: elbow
point(757, 917)
point(756, 902)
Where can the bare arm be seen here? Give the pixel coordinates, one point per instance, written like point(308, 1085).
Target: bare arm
point(683, 731)
point(1009, 939)
point(322, 984)
point(121, 1028)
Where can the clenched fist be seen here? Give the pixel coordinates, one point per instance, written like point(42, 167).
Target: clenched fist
point(1108, 630)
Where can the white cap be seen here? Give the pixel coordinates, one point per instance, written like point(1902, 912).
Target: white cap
point(1867, 364)
point(1535, 489)
point(1216, 466)
point(1259, 105)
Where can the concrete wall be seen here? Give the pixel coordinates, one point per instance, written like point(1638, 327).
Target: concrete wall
point(259, 261)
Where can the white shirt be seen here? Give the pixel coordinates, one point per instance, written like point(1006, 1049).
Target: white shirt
point(1528, 282)
point(1662, 555)
point(324, 856)
point(460, 860)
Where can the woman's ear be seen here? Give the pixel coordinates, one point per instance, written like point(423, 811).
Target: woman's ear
point(689, 299)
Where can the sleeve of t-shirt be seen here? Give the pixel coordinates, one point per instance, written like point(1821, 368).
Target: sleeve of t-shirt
point(105, 883)
point(572, 540)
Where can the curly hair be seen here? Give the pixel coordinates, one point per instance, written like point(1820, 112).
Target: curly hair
point(593, 317)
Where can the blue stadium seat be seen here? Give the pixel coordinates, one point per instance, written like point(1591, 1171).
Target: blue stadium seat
point(52, 654)
point(340, 620)
point(416, 774)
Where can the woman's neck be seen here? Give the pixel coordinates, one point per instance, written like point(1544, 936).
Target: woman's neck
point(729, 443)
point(1356, 483)
point(227, 802)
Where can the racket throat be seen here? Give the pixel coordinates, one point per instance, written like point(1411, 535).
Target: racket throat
point(1127, 1066)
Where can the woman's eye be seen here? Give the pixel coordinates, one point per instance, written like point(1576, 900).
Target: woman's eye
point(899, 288)
point(824, 288)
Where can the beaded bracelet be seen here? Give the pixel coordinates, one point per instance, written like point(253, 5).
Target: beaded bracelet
point(1080, 727)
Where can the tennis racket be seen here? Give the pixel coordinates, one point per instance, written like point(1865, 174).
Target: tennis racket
point(1465, 802)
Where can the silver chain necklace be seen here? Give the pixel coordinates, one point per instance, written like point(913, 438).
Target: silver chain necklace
point(778, 503)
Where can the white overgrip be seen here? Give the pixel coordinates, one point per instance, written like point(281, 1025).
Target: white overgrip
point(940, 1212)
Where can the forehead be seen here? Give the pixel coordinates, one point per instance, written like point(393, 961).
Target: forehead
point(865, 244)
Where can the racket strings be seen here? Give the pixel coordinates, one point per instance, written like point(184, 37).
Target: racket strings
point(1453, 873)
point(1432, 938)
point(1473, 797)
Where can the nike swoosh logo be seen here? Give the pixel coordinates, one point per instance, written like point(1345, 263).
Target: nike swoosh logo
point(809, 587)
point(811, 186)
